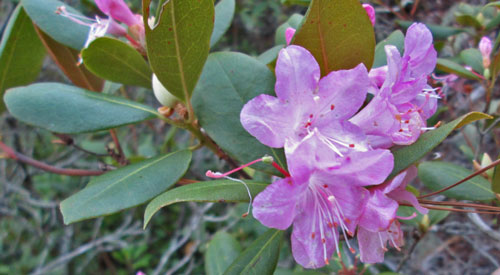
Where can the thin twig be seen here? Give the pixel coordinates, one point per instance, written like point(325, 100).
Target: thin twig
point(493, 164)
point(38, 164)
point(121, 156)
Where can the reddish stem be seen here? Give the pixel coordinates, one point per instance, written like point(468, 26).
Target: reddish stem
point(38, 164)
point(282, 171)
point(493, 164)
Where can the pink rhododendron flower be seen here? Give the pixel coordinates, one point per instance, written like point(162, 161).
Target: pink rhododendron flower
point(378, 223)
point(371, 12)
point(398, 112)
point(289, 33)
point(328, 157)
point(304, 103)
point(485, 47)
point(323, 196)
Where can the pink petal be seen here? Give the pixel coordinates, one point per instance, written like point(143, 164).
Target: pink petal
point(364, 168)
point(308, 247)
point(420, 50)
point(268, 119)
point(297, 75)
point(276, 206)
point(343, 92)
point(118, 10)
point(377, 75)
point(370, 246)
point(379, 212)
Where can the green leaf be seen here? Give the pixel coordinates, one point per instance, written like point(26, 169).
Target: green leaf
point(209, 191)
point(222, 250)
point(292, 22)
point(126, 187)
point(270, 55)
point(437, 175)
point(467, 20)
point(67, 109)
point(406, 156)
point(438, 32)
point(449, 66)
point(178, 45)
point(21, 53)
point(116, 61)
point(229, 80)
point(473, 58)
point(260, 257)
point(397, 39)
point(63, 30)
point(338, 33)
point(224, 13)
point(67, 60)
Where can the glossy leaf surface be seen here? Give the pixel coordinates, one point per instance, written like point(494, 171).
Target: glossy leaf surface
point(125, 187)
point(338, 33)
point(67, 109)
point(116, 61)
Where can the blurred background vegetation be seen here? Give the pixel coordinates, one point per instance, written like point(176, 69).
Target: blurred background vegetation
point(34, 240)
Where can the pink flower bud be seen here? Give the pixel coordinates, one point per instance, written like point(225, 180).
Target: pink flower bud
point(371, 12)
point(118, 10)
point(485, 47)
point(289, 35)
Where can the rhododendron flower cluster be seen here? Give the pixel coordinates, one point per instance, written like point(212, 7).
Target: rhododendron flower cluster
point(337, 154)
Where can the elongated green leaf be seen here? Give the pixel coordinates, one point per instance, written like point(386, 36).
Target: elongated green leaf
point(338, 33)
point(222, 251)
point(406, 156)
point(292, 22)
point(229, 80)
point(126, 187)
point(210, 191)
point(473, 58)
point(21, 53)
point(67, 109)
point(261, 257)
point(178, 45)
point(116, 61)
point(449, 66)
point(397, 39)
point(67, 60)
point(224, 13)
point(62, 29)
point(438, 32)
point(437, 175)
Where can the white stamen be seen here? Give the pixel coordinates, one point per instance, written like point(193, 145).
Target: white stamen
point(428, 128)
point(246, 186)
point(316, 99)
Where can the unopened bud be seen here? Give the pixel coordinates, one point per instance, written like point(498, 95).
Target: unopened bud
point(289, 33)
point(267, 159)
point(487, 73)
point(424, 224)
point(485, 47)
point(162, 94)
point(371, 13)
